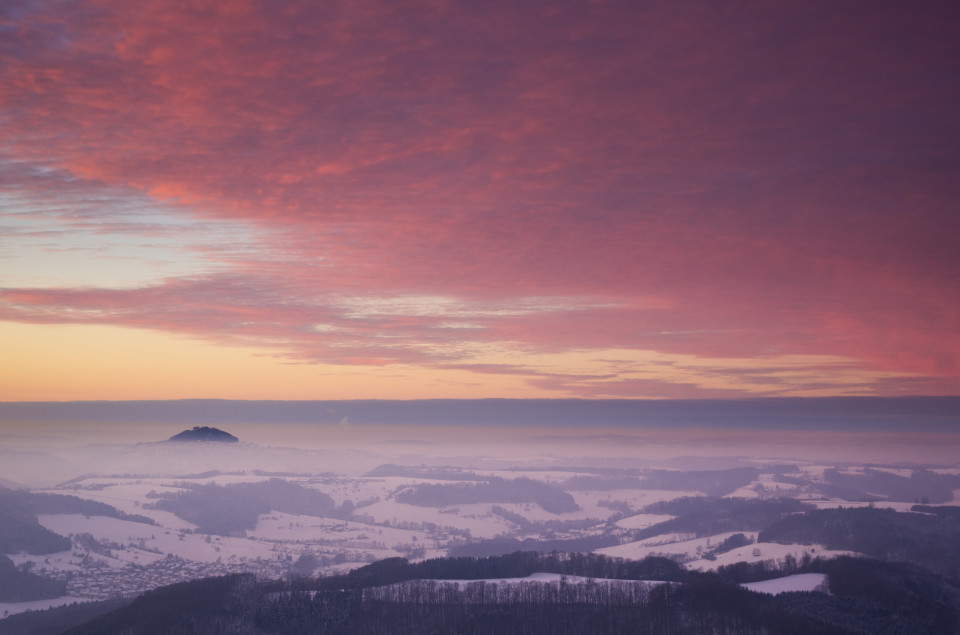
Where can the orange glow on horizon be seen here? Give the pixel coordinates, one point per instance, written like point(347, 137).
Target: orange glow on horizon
point(78, 363)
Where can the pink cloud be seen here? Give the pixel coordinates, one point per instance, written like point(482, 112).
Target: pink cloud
point(717, 181)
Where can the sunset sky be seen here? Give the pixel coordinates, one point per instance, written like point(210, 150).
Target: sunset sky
point(293, 199)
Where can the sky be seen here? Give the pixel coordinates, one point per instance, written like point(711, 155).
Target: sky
point(291, 199)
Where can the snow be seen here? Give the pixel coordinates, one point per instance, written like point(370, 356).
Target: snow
point(197, 547)
point(685, 546)
point(904, 472)
point(949, 471)
point(747, 491)
point(642, 521)
point(765, 484)
point(549, 578)
point(666, 545)
point(476, 518)
point(798, 582)
point(279, 527)
point(815, 472)
point(763, 551)
point(553, 477)
point(284, 535)
point(128, 496)
point(639, 498)
point(355, 490)
point(850, 469)
point(534, 513)
point(588, 501)
point(232, 479)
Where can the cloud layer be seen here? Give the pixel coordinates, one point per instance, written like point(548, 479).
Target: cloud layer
point(439, 184)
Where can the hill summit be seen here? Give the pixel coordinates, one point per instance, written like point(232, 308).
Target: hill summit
point(204, 433)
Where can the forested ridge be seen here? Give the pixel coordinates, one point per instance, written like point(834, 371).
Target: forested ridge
point(17, 585)
point(911, 584)
point(931, 540)
point(229, 510)
point(397, 596)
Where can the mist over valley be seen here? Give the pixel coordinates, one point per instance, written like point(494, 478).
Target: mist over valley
point(85, 517)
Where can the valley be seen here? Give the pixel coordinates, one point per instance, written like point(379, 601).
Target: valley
point(176, 527)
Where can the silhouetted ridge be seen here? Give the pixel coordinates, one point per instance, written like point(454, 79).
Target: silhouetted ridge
point(395, 596)
point(205, 433)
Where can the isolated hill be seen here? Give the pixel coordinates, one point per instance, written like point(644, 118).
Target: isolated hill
point(205, 433)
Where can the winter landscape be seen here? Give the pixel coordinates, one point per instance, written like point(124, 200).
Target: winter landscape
point(431, 316)
point(99, 524)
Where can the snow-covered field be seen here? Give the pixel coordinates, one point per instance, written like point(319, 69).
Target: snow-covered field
point(640, 498)
point(666, 545)
point(551, 578)
point(763, 551)
point(642, 521)
point(128, 496)
point(475, 518)
point(279, 527)
point(146, 543)
point(381, 526)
